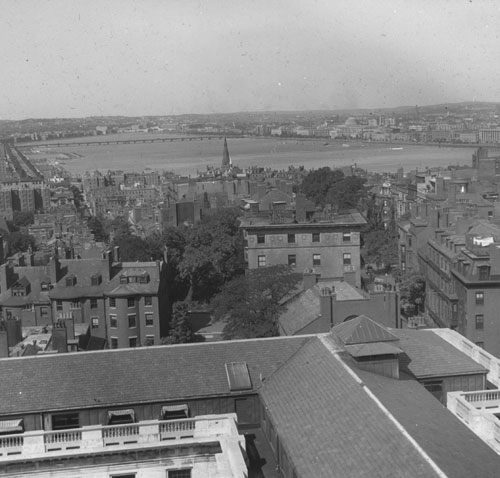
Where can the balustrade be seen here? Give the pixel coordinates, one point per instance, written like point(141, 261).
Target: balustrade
point(62, 440)
point(11, 445)
point(177, 429)
point(94, 438)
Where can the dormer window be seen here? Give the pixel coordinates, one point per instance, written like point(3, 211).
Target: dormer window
point(45, 285)
point(70, 280)
point(96, 279)
point(144, 278)
point(123, 279)
point(484, 272)
point(21, 288)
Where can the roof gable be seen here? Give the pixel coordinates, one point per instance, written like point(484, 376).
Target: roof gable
point(362, 330)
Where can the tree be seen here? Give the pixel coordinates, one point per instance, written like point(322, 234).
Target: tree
point(251, 304)
point(20, 242)
point(132, 248)
point(346, 193)
point(96, 227)
point(213, 254)
point(180, 330)
point(318, 182)
point(412, 293)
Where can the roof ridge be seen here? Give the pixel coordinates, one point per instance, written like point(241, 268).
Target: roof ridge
point(329, 346)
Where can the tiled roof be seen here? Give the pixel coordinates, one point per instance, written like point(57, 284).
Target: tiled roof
point(302, 309)
point(430, 356)
point(361, 330)
point(128, 376)
point(453, 447)
point(330, 426)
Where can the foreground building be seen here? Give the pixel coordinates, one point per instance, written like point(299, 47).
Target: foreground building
point(345, 403)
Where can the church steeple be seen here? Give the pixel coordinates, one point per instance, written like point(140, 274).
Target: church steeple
point(226, 159)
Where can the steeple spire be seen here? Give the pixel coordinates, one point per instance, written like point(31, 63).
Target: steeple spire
point(226, 159)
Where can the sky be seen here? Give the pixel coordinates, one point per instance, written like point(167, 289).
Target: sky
point(66, 58)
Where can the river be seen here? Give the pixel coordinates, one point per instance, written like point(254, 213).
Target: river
point(188, 157)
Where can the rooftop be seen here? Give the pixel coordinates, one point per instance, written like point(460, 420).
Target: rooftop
point(335, 429)
point(353, 218)
point(427, 355)
point(62, 381)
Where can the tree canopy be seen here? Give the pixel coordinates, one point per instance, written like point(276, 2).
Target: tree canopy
point(213, 253)
point(412, 292)
point(250, 304)
point(326, 186)
point(180, 330)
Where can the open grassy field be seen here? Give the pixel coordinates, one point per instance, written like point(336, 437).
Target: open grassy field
point(188, 157)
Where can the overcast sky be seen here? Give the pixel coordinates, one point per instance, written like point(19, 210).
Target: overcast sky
point(64, 58)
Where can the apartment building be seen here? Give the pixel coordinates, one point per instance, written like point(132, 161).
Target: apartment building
point(123, 303)
point(328, 243)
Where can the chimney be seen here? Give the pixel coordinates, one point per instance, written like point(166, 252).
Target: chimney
point(4, 343)
point(309, 279)
point(116, 254)
point(13, 327)
point(326, 297)
point(60, 337)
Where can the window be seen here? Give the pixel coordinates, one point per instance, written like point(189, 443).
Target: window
point(316, 259)
point(479, 322)
point(403, 249)
point(149, 320)
point(96, 279)
point(346, 237)
point(124, 475)
point(148, 301)
point(62, 421)
point(150, 340)
point(94, 322)
point(93, 303)
point(130, 302)
point(184, 473)
point(403, 265)
point(74, 304)
point(347, 259)
point(132, 322)
point(44, 311)
point(261, 238)
point(59, 305)
point(132, 341)
point(113, 323)
point(292, 260)
point(262, 261)
point(114, 343)
point(291, 238)
point(484, 272)
point(479, 298)
point(315, 236)
point(174, 412)
point(112, 302)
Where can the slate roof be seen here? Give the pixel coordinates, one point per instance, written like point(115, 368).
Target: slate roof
point(304, 308)
point(430, 356)
point(361, 330)
point(130, 376)
point(453, 447)
point(330, 426)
